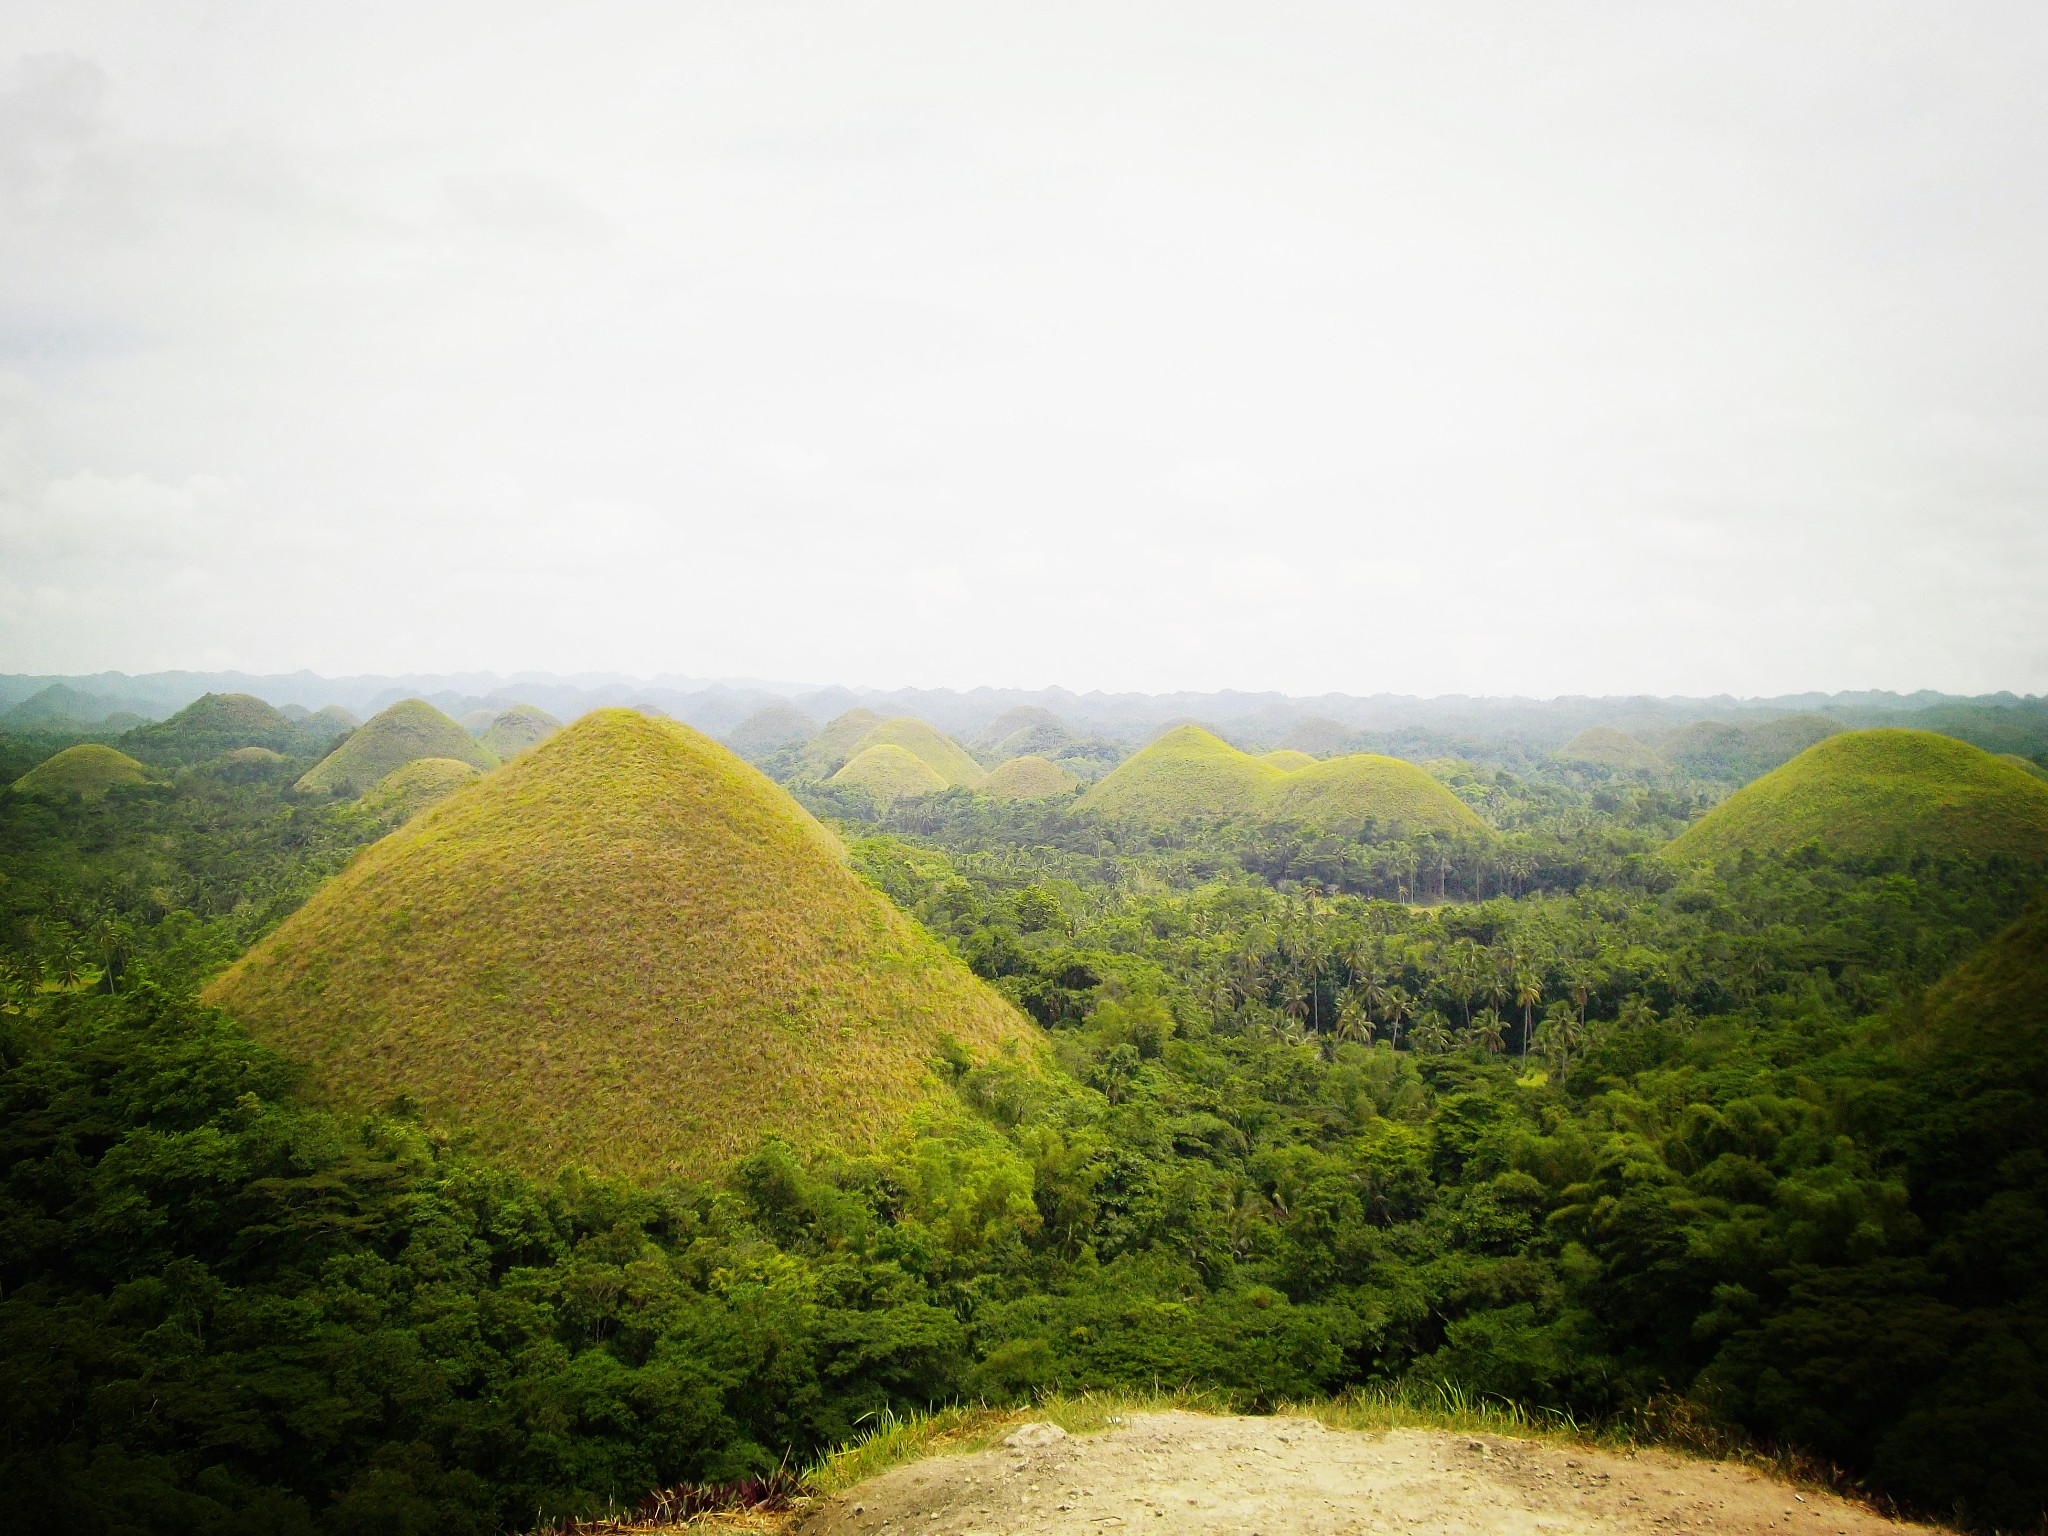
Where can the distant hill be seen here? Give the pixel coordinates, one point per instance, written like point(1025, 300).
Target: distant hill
point(1027, 729)
point(886, 773)
point(940, 752)
point(516, 730)
point(625, 948)
point(2025, 763)
point(60, 704)
point(1603, 746)
point(247, 764)
point(1880, 791)
point(1288, 758)
point(1028, 778)
point(476, 721)
point(770, 727)
point(404, 792)
point(409, 730)
point(1320, 737)
point(829, 750)
point(1190, 775)
point(332, 719)
point(214, 724)
point(88, 770)
point(1710, 750)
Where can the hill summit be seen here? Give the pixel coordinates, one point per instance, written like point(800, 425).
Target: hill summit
point(406, 732)
point(627, 948)
point(1189, 775)
point(87, 770)
point(1882, 791)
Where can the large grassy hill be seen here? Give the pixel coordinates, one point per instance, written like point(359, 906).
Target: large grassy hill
point(831, 748)
point(1028, 778)
point(214, 724)
point(886, 773)
point(88, 770)
point(516, 730)
point(1712, 750)
point(404, 792)
point(1025, 730)
point(1190, 775)
point(406, 732)
point(945, 756)
point(625, 948)
point(1880, 791)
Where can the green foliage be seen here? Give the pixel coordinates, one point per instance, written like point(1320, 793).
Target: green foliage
point(887, 773)
point(404, 792)
point(88, 770)
point(938, 751)
point(1604, 747)
point(1028, 778)
point(517, 729)
point(406, 732)
point(215, 724)
point(1877, 792)
point(770, 727)
point(826, 752)
point(625, 948)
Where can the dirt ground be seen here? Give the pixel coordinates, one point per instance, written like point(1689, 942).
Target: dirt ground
point(1168, 1473)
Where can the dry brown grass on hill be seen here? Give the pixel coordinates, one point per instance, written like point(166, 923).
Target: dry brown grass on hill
point(627, 949)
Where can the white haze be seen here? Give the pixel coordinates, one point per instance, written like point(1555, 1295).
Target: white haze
point(1420, 348)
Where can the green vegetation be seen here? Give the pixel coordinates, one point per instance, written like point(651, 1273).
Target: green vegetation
point(517, 730)
point(829, 750)
point(888, 773)
point(404, 792)
point(2026, 763)
point(1028, 778)
point(1604, 747)
point(1024, 731)
point(1320, 737)
point(1880, 792)
point(406, 732)
point(769, 728)
point(1287, 759)
point(213, 725)
point(1712, 750)
point(1188, 775)
point(938, 751)
point(625, 949)
point(89, 770)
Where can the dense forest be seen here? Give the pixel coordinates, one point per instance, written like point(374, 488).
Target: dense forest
point(1534, 1110)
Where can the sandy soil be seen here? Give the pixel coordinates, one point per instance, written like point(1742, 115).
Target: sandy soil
point(1182, 1472)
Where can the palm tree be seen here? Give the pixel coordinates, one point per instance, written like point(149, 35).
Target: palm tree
point(1528, 993)
point(1399, 1004)
point(1433, 1033)
point(1353, 1021)
point(1486, 1029)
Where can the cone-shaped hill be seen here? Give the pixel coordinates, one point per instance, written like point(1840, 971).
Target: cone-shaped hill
point(1190, 775)
point(2024, 764)
point(886, 773)
point(1025, 730)
point(88, 770)
point(1995, 1003)
point(515, 730)
point(1028, 778)
point(1884, 791)
point(1602, 746)
point(212, 725)
point(835, 745)
point(770, 727)
point(625, 948)
point(406, 732)
point(1716, 751)
point(1288, 758)
point(404, 792)
point(940, 752)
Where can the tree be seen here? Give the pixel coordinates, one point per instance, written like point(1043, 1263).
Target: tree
point(1528, 993)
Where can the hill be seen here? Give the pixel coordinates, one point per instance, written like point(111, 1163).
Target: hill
point(409, 730)
point(1028, 778)
point(245, 765)
point(1712, 750)
point(2027, 764)
point(1190, 775)
point(1021, 731)
point(830, 749)
point(940, 752)
point(1320, 737)
point(1880, 791)
point(1602, 746)
point(771, 727)
point(625, 948)
point(211, 725)
point(517, 730)
point(404, 792)
point(887, 773)
point(88, 770)
point(1288, 758)
point(58, 705)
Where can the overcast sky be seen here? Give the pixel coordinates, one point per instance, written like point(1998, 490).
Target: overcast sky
point(1419, 348)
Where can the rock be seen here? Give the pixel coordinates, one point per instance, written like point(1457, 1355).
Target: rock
point(1027, 1437)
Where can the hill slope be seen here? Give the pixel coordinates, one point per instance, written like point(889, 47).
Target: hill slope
point(1028, 778)
point(830, 749)
point(1190, 775)
point(406, 732)
point(88, 769)
point(1880, 791)
point(945, 756)
point(887, 773)
point(214, 724)
point(516, 730)
point(769, 727)
point(404, 792)
point(626, 947)
point(1603, 746)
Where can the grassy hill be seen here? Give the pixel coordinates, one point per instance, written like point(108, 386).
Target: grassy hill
point(406, 732)
point(1319, 736)
point(625, 948)
point(1602, 746)
point(1712, 750)
point(1880, 791)
point(945, 756)
point(404, 792)
point(1287, 759)
point(517, 730)
point(212, 725)
point(89, 770)
point(1190, 775)
point(771, 727)
point(1028, 778)
point(830, 749)
point(887, 773)
point(1022, 731)
point(2026, 764)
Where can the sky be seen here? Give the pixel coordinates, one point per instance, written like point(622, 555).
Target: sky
point(1418, 348)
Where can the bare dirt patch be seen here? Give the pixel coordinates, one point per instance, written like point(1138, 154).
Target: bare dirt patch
point(1185, 1472)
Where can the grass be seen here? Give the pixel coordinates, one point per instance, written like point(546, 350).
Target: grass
point(1714, 750)
point(1606, 747)
point(888, 773)
point(1022, 729)
point(517, 730)
point(406, 732)
point(1189, 775)
point(2024, 764)
point(1287, 759)
point(772, 726)
point(625, 948)
point(1028, 778)
point(940, 752)
point(829, 750)
point(213, 724)
point(1884, 791)
point(404, 792)
point(88, 770)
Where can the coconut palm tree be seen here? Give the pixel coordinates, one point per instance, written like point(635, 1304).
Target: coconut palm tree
point(1528, 993)
point(1433, 1033)
point(1487, 1031)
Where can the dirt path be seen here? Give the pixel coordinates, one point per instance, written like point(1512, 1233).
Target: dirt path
point(1168, 1473)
